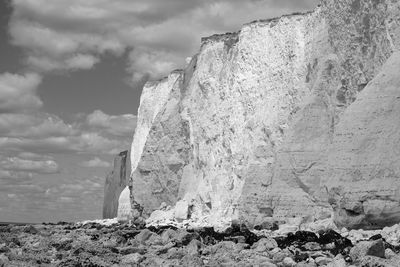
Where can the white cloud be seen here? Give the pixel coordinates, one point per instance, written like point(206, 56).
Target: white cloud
point(43, 133)
point(18, 92)
point(15, 175)
point(94, 143)
point(34, 125)
point(156, 63)
point(96, 163)
point(86, 142)
point(82, 62)
point(33, 156)
point(161, 34)
point(23, 165)
point(118, 125)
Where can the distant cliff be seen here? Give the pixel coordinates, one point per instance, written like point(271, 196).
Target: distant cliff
point(116, 181)
point(289, 117)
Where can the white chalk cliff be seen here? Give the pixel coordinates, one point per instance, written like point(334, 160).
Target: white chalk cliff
point(297, 116)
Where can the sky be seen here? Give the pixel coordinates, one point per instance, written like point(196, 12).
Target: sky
point(71, 74)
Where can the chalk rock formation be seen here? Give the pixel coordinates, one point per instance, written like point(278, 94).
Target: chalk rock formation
point(161, 147)
point(361, 168)
point(265, 124)
point(116, 181)
point(124, 212)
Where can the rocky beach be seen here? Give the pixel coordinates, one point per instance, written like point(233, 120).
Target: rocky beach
point(109, 243)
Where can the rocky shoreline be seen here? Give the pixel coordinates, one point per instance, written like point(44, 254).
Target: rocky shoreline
point(124, 244)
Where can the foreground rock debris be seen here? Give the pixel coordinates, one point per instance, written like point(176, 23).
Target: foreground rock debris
point(294, 117)
point(115, 244)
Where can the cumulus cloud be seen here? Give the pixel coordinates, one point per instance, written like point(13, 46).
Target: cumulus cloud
point(14, 175)
point(18, 92)
point(96, 163)
point(82, 62)
point(34, 125)
point(159, 34)
point(43, 133)
point(85, 142)
point(121, 125)
point(33, 166)
point(33, 156)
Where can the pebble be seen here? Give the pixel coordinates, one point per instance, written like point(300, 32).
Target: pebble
point(320, 261)
point(288, 262)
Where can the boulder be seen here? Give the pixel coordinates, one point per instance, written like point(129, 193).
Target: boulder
point(130, 259)
point(288, 262)
point(265, 244)
point(367, 248)
point(375, 261)
point(323, 261)
point(144, 236)
point(337, 263)
point(4, 261)
point(193, 248)
point(181, 210)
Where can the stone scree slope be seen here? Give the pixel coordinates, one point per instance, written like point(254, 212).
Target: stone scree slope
point(116, 181)
point(293, 117)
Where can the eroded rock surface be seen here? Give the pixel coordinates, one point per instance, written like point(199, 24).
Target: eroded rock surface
point(116, 181)
point(361, 169)
point(162, 148)
point(270, 123)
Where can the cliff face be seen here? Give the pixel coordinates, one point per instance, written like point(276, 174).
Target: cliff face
point(116, 181)
point(162, 148)
point(361, 167)
point(279, 120)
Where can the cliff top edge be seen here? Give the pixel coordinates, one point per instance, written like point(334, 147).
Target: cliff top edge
point(232, 37)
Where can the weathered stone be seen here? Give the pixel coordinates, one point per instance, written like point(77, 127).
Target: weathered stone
point(144, 236)
point(181, 210)
point(4, 248)
point(134, 258)
point(194, 247)
point(132, 250)
point(168, 235)
point(3, 260)
point(265, 244)
point(312, 246)
point(389, 253)
point(281, 255)
point(288, 262)
point(337, 263)
point(176, 253)
point(306, 264)
point(368, 248)
point(262, 261)
point(370, 261)
point(190, 260)
point(321, 261)
point(116, 181)
point(31, 230)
